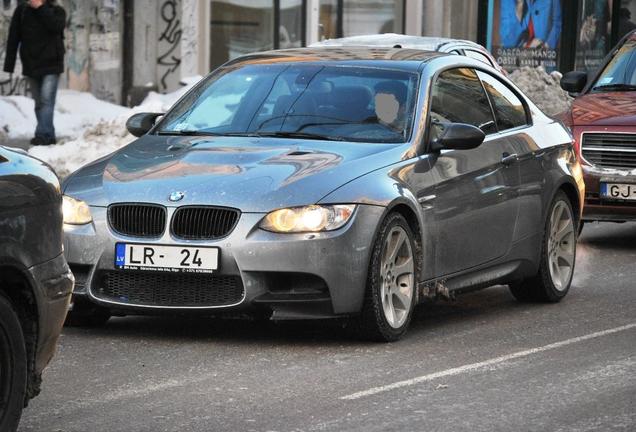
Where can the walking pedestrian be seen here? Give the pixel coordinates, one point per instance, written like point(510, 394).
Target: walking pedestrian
point(37, 29)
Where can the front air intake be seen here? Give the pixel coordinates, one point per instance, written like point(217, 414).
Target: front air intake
point(137, 220)
point(204, 223)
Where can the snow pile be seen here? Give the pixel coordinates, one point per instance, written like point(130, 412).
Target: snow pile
point(542, 88)
point(16, 117)
point(74, 112)
point(96, 141)
point(87, 128)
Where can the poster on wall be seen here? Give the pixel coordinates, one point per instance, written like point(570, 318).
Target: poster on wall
point(593, 33)
point(525, 32)
point(626, 17)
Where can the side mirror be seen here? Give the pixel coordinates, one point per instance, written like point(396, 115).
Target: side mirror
point(140, 123)
point(574, 82)
point(459, 136)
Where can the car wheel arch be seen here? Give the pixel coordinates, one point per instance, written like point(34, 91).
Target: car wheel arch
point(405, 208)
point(570, 190)
point(17, 287)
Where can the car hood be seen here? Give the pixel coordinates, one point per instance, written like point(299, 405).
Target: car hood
point(251, 174)
point(605, 109)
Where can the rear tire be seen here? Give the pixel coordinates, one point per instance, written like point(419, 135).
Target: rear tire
point(390, 293)
point(86, 314)
point(13, 367)
point(558, 254)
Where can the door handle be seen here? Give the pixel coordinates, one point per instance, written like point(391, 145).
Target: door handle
point(507, 158)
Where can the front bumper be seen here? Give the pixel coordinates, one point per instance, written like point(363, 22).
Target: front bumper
point(304, 275)
point(54, 283)
point(597, 208)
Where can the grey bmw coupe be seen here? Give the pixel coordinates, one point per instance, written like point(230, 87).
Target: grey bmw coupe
point(328, 182)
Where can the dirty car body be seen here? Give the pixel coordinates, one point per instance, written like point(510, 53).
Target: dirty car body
point(35, 280)
point(306, 141)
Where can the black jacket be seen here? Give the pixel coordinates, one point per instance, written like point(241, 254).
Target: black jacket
point(39, 33)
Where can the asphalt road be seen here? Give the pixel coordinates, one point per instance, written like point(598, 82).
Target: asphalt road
point(481, 363)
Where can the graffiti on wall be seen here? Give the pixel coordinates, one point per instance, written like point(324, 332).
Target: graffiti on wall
point(94, 47)
point(169, 58)
point(189, 38)
point(77, 30)
point(10, 84)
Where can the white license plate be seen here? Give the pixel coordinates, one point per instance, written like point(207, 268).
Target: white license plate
point(618, 191)
point(166, 258)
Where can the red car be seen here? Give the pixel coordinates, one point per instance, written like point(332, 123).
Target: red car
point(603, 122)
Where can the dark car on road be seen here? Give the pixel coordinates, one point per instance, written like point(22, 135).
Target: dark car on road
point(603, 122)
point(35, 280)
point(326, 182)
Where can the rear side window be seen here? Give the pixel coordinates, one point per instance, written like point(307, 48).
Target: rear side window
point(478, 56)
point(509, 110)
point(458, 97)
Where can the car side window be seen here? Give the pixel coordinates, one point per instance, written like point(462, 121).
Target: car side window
point(478, 56)
point(509, 110)
point(458, 97)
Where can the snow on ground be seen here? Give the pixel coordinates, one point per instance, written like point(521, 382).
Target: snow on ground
point(87, 128)
point(74, 112)
point(542, 88)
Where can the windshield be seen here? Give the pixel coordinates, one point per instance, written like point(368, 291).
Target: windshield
point(620, 72)
point(339, 103)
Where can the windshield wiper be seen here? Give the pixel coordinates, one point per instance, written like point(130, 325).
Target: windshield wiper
point(611, 87)
point(280, 134)
point(292, 134)
point(189, 133)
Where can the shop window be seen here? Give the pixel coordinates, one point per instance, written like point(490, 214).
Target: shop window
point(626, 17)
point(372, 17)
point(239, 28)
point(290, 28)
point(340, 18)
point(328, 19)
point(593, 33)
point(244, 27)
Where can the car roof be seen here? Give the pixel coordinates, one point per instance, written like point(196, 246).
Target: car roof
point(395, 58)
point(391, 39)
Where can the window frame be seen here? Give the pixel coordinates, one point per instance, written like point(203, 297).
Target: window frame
point(493, 106)
point(433, 79)
point(488, 62)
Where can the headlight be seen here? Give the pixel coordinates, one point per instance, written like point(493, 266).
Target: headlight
point(76, 212)
point(312, 218)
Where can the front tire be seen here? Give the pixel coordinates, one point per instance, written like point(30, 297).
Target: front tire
point(86, 314)
point(13, 367)
point(390, 293)
point(558, 254)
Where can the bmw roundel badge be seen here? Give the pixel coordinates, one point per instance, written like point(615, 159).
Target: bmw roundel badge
point(176, 196)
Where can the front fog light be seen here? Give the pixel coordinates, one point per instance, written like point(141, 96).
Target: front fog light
point(312, 218)
point(76, 212)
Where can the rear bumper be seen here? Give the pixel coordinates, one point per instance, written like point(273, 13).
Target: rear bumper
point(597, 208)
point(54, 283)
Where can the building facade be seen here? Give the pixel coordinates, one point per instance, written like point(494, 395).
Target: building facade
point(121, 49)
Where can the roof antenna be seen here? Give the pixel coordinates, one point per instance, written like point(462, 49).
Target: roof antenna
point(397, 46)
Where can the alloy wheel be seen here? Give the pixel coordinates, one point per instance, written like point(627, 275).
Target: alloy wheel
point(397, 277)
point(561, 245)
